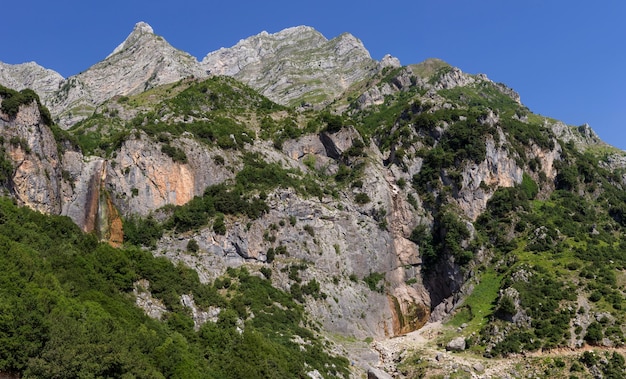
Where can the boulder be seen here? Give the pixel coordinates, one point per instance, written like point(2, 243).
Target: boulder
point(374, 373)
point(457, 344)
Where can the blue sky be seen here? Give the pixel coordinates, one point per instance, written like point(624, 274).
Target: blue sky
point(567, 59)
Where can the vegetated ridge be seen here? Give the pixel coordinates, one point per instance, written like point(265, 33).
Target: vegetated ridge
point(277, 207)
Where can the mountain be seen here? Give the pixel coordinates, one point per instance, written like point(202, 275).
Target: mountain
point(295, 65)
point(142, 61)
point(240, 227)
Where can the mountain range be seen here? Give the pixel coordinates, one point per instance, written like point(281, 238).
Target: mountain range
point(382, 199)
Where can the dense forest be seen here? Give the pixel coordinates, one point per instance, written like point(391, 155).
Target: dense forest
point(68, 310)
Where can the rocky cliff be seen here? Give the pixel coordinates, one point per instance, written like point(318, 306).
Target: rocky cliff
point(340, 237)
point(145, 179)
point(35, 172)
point(380, 205)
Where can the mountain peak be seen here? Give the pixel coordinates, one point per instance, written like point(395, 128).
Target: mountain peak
point(144, 60)
point(141, 29)
point(301, 29)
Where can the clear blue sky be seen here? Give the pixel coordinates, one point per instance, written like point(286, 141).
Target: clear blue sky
point(567, 59)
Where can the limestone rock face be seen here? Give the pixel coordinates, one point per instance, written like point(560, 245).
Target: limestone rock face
point(80, 202)
point(454, 78)
point(581, 135)
point(144, 179)
point(295, 64)
point(340, 238)
point(35, 180)
point(497, 170)
point(374, 373)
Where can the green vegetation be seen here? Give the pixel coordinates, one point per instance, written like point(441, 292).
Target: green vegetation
point(6, 165)
point(540, 249)
point(372, 281)
point(176, 153)
point(477, 309)
point(12, 100)
point(445, 239)
point(557, 248)
point(217, 111)
point(362, 198)
point(68, 310)
point(216, 199)
point(483, 94)
point(244, 197)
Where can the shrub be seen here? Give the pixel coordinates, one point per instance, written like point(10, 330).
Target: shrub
point(312, 288)
point(334, 123)
point(270, 255)
point(142, 231)
point(362, 198)
point(372, 281)
point(192, 246)
point(177, 154)
point(296, 292)
point(594, 333)
point(506, 307)
point(309, 229)
point(219, 226)
point(219, 160)
point(595, 296)
point(529, 187)
point(267, 272)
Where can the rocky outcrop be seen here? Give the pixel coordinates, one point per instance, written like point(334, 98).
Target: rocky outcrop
point(582, 136)
point(35, 178)
point(452, 78)
point(143, 178)
point(374, 373)
point(402, 81)
point(87, 202)
point(295, 64)
point(153, 307)
point(45, 181)
point(343, 244)
point(389, 61)
point(479, 180)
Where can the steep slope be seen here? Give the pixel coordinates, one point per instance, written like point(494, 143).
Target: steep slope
point(43, 169)
point(31, 164)
point(295, 65)
point(142, 61)
point(422, 194)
